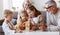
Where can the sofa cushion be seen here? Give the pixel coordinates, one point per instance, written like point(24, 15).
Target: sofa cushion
point(1, 30)
point(1, 21)
point(1, 33)
point(15, 15)
point(44, 15)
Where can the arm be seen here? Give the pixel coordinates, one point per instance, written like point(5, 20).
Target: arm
point(41, 19)
point(50, 25)
point(6, 29)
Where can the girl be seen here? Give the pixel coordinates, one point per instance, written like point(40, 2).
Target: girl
point(22, 17)
point(35, 17)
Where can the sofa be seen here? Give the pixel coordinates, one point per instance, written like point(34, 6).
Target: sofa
point(14, 20)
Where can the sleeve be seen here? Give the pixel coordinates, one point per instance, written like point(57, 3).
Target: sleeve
point(41, 19)
point(50, 26)
point(58, 22)
point(6, 29)
point(47, 19)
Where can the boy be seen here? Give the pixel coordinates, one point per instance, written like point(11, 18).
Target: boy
point(7, 26)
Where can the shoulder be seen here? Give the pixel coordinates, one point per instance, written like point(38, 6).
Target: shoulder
point(40, 17)
point(4, 24)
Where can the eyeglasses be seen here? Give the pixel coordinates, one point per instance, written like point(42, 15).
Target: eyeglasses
point(48, 7)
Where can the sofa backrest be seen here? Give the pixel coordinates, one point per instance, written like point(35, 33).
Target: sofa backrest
point(44, 15)
point(15, 15)
point(1, 21)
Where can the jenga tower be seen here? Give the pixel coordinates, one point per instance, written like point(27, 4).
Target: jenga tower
point(19, 21)
point(27, 26)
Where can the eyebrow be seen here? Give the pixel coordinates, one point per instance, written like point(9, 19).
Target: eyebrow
point(48, 7)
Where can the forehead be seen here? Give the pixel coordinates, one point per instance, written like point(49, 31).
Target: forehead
point(10, 15)
point(47, 5)
point(23, 14)
point(27, 3)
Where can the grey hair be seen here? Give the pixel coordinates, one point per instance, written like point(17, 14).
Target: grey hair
point(51, 2)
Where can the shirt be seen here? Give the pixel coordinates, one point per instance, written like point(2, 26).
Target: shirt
point(53, 21)
point(6, 28)
point(37, 19)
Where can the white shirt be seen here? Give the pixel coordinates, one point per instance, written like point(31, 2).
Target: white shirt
point(6, 28)
point(53, 21)
point(37, 19)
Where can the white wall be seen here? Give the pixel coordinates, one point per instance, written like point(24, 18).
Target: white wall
point(1, 9)
point(4, 4)
point(39, 4)
point(58, 4)
point(7, 4)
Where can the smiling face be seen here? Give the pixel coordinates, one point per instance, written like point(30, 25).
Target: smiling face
point(24, 16)
point(51, 8)
point(31, 13)
point(26, 4)
point(9, 17)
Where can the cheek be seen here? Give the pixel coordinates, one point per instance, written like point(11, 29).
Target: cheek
point(54, 9)
point(10, 18)
point(23, 18)
point(32, 13)
point(49, 10)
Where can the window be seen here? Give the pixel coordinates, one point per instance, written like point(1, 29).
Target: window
point(12, 4)
point(17, 4)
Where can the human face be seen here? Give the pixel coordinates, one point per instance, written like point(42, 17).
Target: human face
point(9, 17)
point(26, 5)
point(31, 13)
point(24, 16)
point(51, 9)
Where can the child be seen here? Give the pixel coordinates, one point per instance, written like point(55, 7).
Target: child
point(22, 17)
point(8, 28)
point(35, 17)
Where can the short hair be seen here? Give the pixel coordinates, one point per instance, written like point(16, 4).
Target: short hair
point(7, 12)
point(51, 2)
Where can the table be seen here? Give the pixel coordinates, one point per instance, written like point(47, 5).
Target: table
point(36, 33)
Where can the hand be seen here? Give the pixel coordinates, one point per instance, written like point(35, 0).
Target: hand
point(42, 28)
point(18, 31)
point(34, 28)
